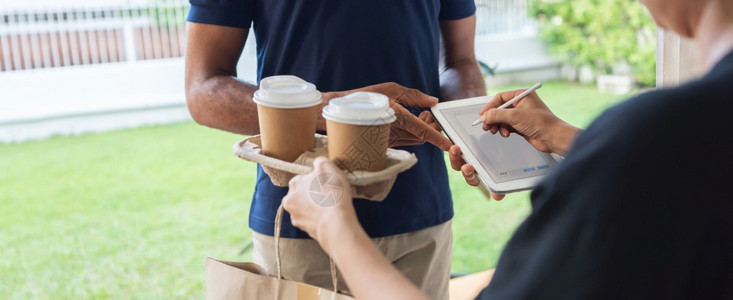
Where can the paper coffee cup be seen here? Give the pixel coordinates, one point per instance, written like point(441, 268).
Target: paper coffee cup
point(358, 128)
point(287, 107)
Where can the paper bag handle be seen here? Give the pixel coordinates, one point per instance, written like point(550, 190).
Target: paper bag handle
point(278, 228)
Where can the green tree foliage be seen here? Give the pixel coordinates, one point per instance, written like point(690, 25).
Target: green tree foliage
point(600, 34)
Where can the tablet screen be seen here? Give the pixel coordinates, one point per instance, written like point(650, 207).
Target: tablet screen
point(503, 158)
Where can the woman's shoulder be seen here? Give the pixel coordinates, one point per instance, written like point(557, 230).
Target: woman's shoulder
point(663, 111)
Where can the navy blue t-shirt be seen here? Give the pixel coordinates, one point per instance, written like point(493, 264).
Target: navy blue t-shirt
point(346, 44)
point(639, 209)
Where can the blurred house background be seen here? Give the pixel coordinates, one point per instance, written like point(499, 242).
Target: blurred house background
point(508, 43)
point(79, 66)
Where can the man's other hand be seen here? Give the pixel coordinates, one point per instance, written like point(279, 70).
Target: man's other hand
point(408, 129)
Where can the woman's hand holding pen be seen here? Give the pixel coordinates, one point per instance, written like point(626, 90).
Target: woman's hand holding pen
point(530, 118)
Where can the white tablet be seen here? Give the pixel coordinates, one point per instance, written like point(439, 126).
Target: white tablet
point(503, 165)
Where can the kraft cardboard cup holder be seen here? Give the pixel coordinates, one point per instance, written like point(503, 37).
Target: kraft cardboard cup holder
point(372, 185)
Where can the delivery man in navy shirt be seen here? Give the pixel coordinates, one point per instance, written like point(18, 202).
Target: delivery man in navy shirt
point(340, 46)
point(639, 209)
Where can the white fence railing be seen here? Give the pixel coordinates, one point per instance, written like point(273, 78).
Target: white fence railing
point(503, 17)
point(109, 31)
point(45, 37)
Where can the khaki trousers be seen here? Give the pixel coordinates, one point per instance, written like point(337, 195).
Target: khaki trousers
point(423, 256)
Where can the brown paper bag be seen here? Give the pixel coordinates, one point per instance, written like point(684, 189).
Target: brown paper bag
point(245, 280)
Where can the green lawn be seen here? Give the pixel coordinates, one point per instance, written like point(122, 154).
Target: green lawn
point(134, 213)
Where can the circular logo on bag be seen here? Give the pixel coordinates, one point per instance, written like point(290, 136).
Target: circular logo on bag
point(326, 189)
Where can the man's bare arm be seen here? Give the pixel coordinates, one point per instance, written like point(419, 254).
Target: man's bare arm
point(215, 97)
point(461, 77)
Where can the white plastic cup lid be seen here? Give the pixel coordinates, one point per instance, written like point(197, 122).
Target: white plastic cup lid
point(360, 108)
point(286, 91)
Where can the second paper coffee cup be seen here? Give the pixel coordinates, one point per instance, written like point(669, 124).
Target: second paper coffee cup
point(358, 128)
point(287, 107)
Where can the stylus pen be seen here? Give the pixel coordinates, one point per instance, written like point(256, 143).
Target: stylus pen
point(515, 99)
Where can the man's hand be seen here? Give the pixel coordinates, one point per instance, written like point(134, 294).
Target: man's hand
point(469, 173)
point(530, 118)
point(320, 203)
point(407, 129)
